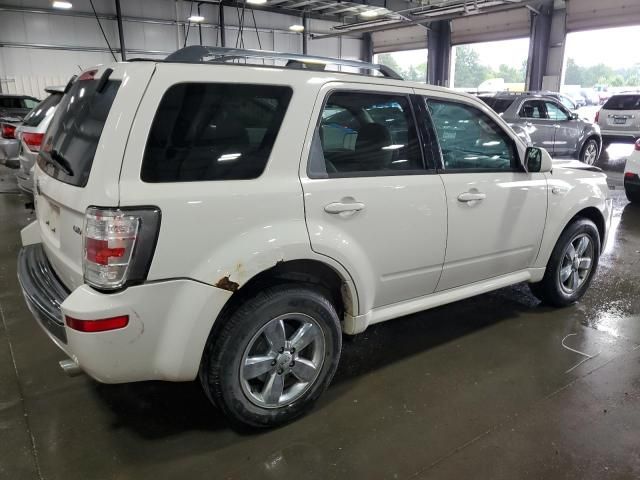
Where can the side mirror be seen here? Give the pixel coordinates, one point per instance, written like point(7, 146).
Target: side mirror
point(574, 116)
point(537, 160)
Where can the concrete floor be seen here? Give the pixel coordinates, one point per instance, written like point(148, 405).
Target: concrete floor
point(479, 389)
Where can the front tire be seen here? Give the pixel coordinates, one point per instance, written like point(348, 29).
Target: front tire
point(589, 153)
point(573, 263)
point(632, 196)
point(274, 357)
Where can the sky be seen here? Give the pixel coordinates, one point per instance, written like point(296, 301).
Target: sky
point(615, 47)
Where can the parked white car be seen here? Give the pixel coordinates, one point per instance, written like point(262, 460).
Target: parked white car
point(230, 222)
point(619, 118)
point(632, 175)
point(30, 135)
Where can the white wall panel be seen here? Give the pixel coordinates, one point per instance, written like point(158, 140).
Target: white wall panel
point(490, 27)
point(593, 14)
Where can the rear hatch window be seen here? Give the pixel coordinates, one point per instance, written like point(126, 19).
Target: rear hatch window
point(623, 102)
point(73, 135)
point(499, 105)
point(35, 116)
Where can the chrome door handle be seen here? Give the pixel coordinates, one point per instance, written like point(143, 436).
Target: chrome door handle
point(344, 208)
point(468, 197)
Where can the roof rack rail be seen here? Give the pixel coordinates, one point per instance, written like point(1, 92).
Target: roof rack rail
point(203, 54)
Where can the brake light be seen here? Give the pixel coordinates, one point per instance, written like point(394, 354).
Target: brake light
point(88, 75)
point(118, 245)
point(597, 116)
point(33, 140)
point(630, 175)
point(101, 325)
point(8, 130)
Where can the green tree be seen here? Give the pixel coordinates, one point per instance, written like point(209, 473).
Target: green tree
point(469, 73)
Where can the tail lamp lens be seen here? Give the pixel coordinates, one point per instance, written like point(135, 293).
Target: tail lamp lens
point(118, 246)
point(33, 140)
point(8, 130)
point(100, 325)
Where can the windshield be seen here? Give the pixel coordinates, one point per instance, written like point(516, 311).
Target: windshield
point(42, 110)
point(73, 135)
point(499, 105)
point(623, 102)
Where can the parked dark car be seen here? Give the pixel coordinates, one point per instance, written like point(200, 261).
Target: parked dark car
point(549, 124)
point(13, 109)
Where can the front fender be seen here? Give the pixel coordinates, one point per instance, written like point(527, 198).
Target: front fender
point(571, 191)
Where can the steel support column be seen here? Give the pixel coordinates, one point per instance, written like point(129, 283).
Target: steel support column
point(305, 33)
point(123, 53)
point(367, 48)
point(538, 47)
point(439, 56)
point(223, 42)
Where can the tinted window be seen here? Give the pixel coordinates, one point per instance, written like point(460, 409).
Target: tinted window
point(11, 102)
point(554, 112)
point(365, 134)
point(73, 134)
point(623, 102)
point(208, 131)
point(533, 109)
point(499, 105)
point(567, 102)
point(469, 139)
point(44, 108)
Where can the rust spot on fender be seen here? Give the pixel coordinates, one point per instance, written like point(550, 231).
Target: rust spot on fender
point(226, 284)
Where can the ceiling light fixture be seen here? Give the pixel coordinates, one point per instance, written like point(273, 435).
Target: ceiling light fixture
point(62, 5)
point(257, 2)
point(196, 18)
point(297, 28)
point(369, 13)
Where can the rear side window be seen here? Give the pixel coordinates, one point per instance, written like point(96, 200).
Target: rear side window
point(30, 103)
point(499, 105)
point(208, 131)
point(11, 102)
point(365, 134)
point(73, 134)
point(533, 109)
point(623, 102)
point(43, 109)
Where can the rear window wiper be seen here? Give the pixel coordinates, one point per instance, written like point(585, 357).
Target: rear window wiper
point(56, 159)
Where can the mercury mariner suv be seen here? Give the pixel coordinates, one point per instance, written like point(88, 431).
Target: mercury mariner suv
point(200, 218)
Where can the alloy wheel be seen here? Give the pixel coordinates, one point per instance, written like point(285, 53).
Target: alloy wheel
point(576, 263)
point(282, 360)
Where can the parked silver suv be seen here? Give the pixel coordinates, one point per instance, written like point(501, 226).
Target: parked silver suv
point(549, 124)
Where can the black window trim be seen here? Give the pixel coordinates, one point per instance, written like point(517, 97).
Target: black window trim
point(388, 173)
point(442, 170)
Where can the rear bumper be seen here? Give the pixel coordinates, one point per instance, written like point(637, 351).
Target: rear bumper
point(9, 152)
point(619, 136)
point(632, 183)
point(169, 323)
point(25, 182)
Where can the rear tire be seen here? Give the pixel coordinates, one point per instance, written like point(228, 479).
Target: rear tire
point(573, 263)
point(633, 197)
point(589, 153)
point(251, 368)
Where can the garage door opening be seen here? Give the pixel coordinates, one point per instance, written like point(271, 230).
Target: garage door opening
point(597, 63)
point(490, 66)
point(411, 64)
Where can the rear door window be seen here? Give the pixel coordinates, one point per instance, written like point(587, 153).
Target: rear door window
point(365, 134)
point(44, 108)
point(533, 109)
point(623, 102)
point(499, 105)
point(73, 134)
point(208, 131)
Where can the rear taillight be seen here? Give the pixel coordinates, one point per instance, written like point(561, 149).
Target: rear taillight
point(99, 325)
point(597, 116)
point(32, 140)
point(8, 130)
point(630, 175)
point(638, 145)
point(118, 245)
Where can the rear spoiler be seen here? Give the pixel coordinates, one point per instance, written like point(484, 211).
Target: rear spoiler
point(55, 89)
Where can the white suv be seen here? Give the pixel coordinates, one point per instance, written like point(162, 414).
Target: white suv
point(232, 221)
